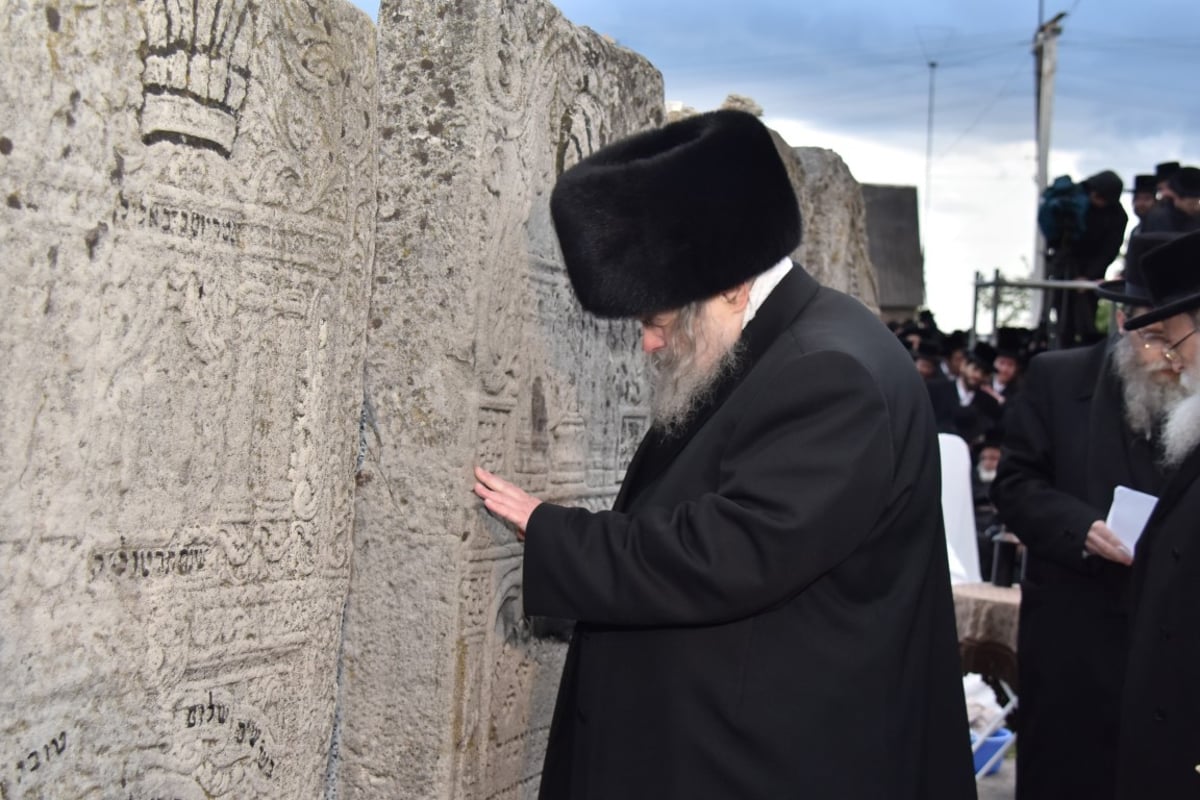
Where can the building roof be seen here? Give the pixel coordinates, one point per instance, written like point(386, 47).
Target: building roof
point(894, 244)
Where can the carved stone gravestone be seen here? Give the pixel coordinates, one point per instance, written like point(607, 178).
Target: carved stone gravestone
point(201, 201)
point(834, 248)
point(478, 353)
point(185, 246)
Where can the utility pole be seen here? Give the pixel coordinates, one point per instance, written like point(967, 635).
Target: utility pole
point(929, 145)
point(1045, 53)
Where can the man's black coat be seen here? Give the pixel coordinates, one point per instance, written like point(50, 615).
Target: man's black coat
point(1066, 447)
point(767, 611)
point(1160, 737)
point(944, 399)
point(973, 421)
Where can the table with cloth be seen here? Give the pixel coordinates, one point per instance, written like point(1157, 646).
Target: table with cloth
point(986, 617)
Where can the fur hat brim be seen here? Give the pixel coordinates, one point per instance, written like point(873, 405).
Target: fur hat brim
point(675, 215)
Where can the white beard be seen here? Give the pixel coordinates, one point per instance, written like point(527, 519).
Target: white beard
point(1147, 402)
point(680, 386)
point(1182, 433)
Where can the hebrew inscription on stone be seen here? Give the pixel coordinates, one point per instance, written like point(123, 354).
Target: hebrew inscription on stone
point(186, 247)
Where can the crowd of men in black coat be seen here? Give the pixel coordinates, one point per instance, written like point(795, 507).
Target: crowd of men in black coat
point(1085, 231)
point(971, 388)
point(1109, 637)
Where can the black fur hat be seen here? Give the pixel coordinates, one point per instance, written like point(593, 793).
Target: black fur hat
point(674, 215)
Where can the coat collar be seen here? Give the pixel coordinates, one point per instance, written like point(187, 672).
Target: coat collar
point(778, 311)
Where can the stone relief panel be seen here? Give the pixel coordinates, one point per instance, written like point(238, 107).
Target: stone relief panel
point(187, 243)
point(574, 383)
point(477, 353)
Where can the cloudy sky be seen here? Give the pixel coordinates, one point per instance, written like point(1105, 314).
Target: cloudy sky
point(854, 76)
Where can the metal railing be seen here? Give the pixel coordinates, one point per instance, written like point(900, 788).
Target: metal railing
point(998, 283)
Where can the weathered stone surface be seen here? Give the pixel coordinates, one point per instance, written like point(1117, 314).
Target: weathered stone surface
point(477, 353)
point(184, 263)
point(198, 209)
point(834, 247)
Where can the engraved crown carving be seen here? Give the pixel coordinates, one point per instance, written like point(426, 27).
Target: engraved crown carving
point(197, 59)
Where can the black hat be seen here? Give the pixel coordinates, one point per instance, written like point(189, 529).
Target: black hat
point(955, 340)
point(674, 215)
point(1131, 289)
point(1185, 182)
point(928, 349)
point(983, 356)
point(1172, 274)
point(1165, 170)
point(1147, 184)
point(1012, 342)
point(993, 438)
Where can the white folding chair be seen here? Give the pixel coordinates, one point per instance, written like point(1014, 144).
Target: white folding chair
point(958, 509)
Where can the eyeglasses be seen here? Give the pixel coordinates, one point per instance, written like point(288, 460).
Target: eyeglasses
point(1156, 341)
point(1151, 341)
point(1171, 354)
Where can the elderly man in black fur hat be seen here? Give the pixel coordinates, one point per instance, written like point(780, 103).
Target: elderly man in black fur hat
point(1087, 420)
point(766, 612)
point(1159, 753)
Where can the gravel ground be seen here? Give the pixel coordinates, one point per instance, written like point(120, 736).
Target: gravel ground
point(1002, 785)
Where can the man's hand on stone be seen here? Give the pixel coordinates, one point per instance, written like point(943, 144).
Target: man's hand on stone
point(1101, 541)
point(505, 500)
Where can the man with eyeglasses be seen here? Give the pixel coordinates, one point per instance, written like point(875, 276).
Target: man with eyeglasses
point(1087, 420)
point(1159, 753)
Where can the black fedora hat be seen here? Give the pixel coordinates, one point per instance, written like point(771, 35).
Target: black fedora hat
point(983, 356)
point(928, 349)
point(955, 340)
point(1130, 288)
point(1165, 170)
point(1185, 182)
point(1172, 274)
point(1147, 184)
point(1012, 343)
point(674, 215)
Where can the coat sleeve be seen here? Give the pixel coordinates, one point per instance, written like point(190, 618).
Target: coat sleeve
point(802, 481)
point(1052, 523)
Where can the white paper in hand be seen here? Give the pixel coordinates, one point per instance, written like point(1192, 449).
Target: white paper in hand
point(1130, 511)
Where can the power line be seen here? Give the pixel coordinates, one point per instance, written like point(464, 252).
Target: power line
point(987, 108)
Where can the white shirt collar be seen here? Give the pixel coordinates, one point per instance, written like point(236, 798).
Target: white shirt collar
point(965, 395)
point(761, 288)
